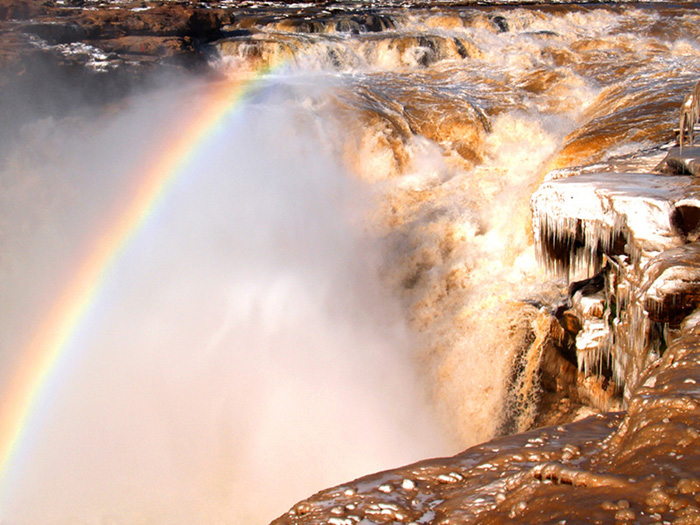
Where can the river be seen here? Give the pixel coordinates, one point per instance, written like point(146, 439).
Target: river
point(220, 296)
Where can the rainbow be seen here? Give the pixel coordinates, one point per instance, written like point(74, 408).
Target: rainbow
point(48, 346)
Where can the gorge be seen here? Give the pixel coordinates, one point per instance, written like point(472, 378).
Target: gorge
point(405, 231)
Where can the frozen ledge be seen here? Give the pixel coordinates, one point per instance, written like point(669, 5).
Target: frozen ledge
point(682, 161)
point(579, 220)
point(671, 287)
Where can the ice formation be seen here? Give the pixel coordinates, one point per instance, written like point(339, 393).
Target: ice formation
point(617, 226)
point(582, 220)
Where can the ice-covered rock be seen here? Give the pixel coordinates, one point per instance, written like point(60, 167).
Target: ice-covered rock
point(671, 289)
point(589, 343)
point(579, 220)
point(588, 297)
point(631, 230)
point(590, 305)
point(685, 161)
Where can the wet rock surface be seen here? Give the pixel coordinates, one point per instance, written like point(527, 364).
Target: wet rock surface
point(623, 466)
point(682, 161)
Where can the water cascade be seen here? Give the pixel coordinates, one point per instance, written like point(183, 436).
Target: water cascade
point(341, 268)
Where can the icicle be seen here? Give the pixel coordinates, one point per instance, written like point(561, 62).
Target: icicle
point(567, 246)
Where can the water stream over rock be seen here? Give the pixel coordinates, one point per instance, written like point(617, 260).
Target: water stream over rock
point(454, 218)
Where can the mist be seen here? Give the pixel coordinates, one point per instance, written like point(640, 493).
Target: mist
point(242, 352)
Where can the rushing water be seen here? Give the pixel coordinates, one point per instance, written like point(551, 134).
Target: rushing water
point(329, 289)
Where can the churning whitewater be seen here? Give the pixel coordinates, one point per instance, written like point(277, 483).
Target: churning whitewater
point(327, 274)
